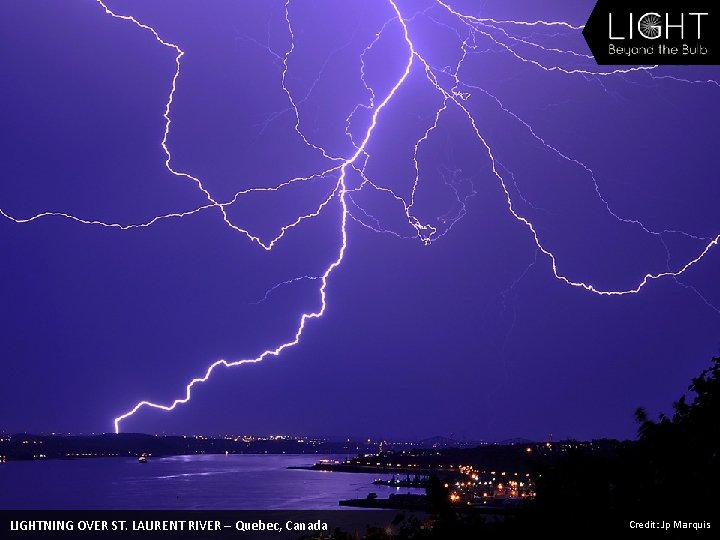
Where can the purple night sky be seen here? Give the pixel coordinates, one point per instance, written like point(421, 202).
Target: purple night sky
point(467, 334)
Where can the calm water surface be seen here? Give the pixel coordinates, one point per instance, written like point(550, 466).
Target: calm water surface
point(206, 482)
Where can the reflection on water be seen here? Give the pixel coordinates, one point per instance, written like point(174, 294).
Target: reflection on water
point(244, 482)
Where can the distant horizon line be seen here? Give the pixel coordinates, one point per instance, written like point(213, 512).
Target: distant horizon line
point(330, 438)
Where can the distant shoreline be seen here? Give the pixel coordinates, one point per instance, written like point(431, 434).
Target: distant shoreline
point(24, 447)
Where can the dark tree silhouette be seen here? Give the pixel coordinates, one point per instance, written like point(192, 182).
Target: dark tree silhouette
point(438, 495)
point(678, 455)
point(672, 469)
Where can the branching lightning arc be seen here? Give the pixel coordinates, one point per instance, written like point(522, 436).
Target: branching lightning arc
point(454, 93)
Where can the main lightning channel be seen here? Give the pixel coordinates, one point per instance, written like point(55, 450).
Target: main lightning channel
point(342, 197)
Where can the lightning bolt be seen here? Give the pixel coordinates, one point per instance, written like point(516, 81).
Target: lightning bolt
point(530, 43)
point(340, 193)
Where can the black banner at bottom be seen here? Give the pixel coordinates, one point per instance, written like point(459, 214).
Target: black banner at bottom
point(332, 524)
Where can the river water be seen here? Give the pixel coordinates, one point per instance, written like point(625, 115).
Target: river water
point(199, 482)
